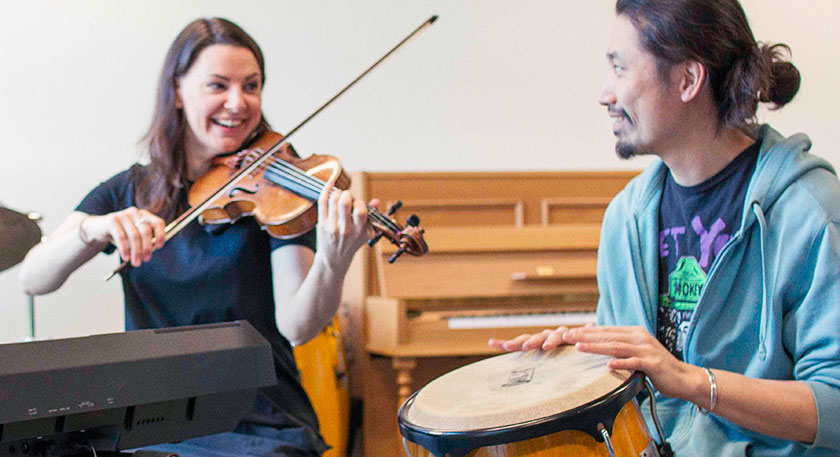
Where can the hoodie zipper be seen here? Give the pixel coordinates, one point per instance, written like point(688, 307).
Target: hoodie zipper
point(736, 238)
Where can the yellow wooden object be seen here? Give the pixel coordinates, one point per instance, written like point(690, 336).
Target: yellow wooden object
point(630, 437)
point(323, 375)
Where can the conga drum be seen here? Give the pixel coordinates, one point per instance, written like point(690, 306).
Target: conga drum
point(557, 403)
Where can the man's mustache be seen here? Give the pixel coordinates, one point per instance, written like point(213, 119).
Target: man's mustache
point(612, 111)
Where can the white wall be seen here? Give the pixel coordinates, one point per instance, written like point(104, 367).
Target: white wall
point(493, 85)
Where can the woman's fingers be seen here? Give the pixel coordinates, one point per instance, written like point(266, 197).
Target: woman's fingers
point(136, 233)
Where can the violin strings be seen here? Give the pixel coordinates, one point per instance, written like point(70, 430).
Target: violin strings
point(283, 169)
point(315, 185)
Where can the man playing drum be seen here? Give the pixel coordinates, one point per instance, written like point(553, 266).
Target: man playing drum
point(719, 266)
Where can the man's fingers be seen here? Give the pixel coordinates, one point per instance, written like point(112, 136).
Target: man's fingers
point(554, 339)
point(515, 344)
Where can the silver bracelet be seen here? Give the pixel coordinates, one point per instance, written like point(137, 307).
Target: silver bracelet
point(712, 394)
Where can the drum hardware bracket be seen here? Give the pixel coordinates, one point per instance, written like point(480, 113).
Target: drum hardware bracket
point(607, 441)
point(663, 447)
point(405, 446)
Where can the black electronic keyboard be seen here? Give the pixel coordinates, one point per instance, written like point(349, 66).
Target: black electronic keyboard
point(126, 390)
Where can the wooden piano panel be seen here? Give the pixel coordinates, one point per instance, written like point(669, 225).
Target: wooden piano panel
point(479, 212)
point(494, 261)
point(528, 187)
point(574, 210)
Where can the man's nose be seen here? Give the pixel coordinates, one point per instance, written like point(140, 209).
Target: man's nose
point(607, 96)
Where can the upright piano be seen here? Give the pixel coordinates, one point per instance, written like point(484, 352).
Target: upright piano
point(509, 253)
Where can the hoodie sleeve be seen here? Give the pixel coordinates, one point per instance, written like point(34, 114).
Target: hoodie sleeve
point(812, 332)
point(605, 312)
point(627, 257)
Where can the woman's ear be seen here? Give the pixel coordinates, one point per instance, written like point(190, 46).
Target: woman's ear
point(179, 102)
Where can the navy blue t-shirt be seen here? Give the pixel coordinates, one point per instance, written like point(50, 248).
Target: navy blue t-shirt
point(694, 224)
point(205, 275)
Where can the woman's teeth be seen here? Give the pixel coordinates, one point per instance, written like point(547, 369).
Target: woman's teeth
point(230, 123)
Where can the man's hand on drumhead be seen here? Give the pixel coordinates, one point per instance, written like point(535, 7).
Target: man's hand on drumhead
point(544, 340)
point(635, 349)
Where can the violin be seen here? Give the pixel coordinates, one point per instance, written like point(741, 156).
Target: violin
point(268, 180)
point(281, 192)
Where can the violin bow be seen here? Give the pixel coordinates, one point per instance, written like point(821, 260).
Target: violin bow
point(190, 215)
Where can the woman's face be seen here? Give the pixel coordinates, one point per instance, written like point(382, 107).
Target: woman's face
point(220, 96)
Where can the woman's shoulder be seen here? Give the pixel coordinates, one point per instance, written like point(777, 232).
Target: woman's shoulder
point(115, 193)
point(128, 176)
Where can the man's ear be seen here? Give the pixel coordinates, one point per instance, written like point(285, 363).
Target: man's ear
point(691, 76)
point(179, 103)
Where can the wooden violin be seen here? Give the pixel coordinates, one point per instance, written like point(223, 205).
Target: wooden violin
point(281, 193)
point(271, 182)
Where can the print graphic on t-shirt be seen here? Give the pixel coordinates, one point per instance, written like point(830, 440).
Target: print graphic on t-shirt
point(696, 223)
point(685, 286)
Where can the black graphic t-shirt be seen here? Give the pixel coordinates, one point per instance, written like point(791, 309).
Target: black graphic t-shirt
point(695, 223)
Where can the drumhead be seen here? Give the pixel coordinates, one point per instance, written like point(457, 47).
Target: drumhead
point(512, 389)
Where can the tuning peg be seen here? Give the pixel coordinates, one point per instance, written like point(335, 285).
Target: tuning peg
point(375, 239)
point(394, 208)
point(396, 254)
point(413, 220)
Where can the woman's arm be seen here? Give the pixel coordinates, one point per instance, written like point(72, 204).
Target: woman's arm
point(80, 237)
point(307, 285)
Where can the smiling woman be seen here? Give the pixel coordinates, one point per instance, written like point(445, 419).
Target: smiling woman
point(208, 105)
point(220, 98)
point(209, 100)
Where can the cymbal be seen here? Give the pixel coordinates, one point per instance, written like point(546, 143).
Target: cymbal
point(18, 233)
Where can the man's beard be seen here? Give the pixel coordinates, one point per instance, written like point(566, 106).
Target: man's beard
point(626, 150)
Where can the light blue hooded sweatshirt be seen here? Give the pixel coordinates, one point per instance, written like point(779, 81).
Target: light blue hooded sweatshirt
point(771, 305)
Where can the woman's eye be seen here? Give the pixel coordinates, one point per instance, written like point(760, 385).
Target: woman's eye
point(216, 85)
point(252, 87)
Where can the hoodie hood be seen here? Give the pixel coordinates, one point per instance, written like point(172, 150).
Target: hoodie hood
point(781, 161)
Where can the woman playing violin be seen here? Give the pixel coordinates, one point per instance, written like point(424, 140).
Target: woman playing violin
point(209, 104)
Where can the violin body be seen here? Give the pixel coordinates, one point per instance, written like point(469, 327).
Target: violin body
point(280, 211)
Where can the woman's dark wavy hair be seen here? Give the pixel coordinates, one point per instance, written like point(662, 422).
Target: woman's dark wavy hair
point(163, 188)
point(741, 72)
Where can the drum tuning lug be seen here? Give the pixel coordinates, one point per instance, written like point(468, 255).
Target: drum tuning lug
point(394, 208)
point(607, 441)
point(665, 450)
point(663, 447)
point(375, 239)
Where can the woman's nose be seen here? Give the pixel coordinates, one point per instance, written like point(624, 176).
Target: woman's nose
point(235, 102)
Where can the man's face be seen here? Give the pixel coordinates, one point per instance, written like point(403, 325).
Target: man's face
point(639, 100)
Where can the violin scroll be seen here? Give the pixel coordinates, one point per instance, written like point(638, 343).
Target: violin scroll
point(407, 239)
